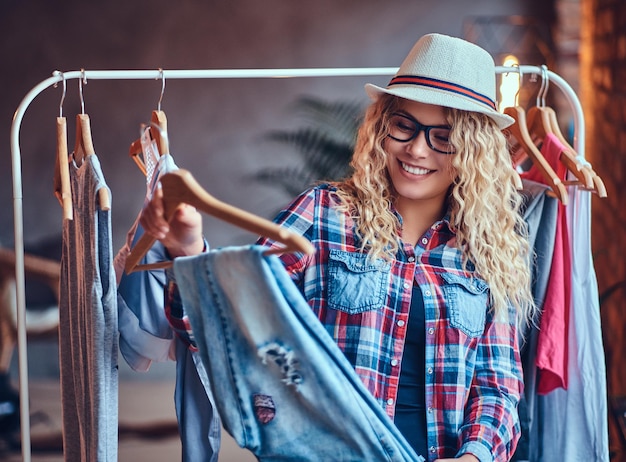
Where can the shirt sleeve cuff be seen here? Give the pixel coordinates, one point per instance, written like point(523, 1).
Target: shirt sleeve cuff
point(477, 449)
point(205, 248)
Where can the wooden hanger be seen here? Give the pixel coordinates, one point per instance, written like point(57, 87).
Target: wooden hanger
point(180, 187)
point(83, 148)
point(157, 132)
point(133, 152)
point(584, 172)
point(62, 189)
point(520, 131)
point(598, 184)
point(597, 181)
point(586, 176)
point(541, 123)
point(83, 145)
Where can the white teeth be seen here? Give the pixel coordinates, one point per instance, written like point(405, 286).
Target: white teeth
point(414, 170)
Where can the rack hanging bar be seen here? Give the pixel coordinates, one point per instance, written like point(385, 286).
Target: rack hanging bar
point(58, 76)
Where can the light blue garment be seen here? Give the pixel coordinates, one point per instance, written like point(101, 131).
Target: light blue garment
point(282, 387)
point(574, 422)
point(146, 337)
point(199, 425)
point(540, 212)
point(145, 333)
point(590, 359)
point(88, 323)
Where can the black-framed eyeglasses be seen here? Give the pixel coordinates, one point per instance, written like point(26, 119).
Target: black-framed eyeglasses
point(404, 129)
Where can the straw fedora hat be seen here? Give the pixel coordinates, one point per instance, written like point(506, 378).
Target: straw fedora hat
point(447, 71)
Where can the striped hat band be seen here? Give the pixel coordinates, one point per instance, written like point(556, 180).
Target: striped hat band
point(444, 86)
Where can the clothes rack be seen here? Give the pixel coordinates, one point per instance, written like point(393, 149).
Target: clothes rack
point(160, 74)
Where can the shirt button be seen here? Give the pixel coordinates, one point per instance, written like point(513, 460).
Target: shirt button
point(390, 401)
point(427, 293)
point(394, 362)
point(432, 449)
point(400, 323)
point(431, 331)
point(406, 285)
point(424, 241)
point(411, 259)
point(430, 409)
point(430, 370)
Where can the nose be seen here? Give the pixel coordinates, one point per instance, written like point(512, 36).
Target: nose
point(418, 146)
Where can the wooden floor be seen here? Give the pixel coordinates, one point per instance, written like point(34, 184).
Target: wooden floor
point(147, 424)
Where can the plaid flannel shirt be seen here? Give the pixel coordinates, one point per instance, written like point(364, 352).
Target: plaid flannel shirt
point(473, 369)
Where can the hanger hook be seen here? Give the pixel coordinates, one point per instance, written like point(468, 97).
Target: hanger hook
point(519, 86)
point(541, 87)
point(546, 83)
point(81, 81)
point(162, 75)
point(57, 73)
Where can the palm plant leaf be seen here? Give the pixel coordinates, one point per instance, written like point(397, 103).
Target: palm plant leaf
point(325, 145)
point(339, 120)
point(293, 180)
point(327, 158)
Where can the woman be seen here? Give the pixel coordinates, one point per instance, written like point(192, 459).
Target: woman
point(432, 208)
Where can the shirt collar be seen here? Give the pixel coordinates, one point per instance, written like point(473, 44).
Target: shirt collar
point(440, 225)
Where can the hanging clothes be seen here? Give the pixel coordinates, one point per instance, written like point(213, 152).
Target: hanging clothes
point(570, 423)
point(540, 214)
point(146, 336)
point(575, 421)
point(88, 323)
point(588, 368)
point(552, 344)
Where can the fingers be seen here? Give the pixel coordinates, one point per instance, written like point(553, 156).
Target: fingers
point(185, 232)
point(152, 217)
point(182, 235)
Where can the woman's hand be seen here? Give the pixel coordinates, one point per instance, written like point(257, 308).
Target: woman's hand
point(182, 235)
point(463, 458)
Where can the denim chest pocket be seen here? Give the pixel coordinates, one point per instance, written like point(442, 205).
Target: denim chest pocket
point(356, 284)
point(467, 302)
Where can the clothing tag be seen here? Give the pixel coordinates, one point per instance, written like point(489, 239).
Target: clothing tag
point(150, 156)
point(163, 165)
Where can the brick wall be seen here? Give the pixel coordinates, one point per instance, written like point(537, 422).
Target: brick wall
point(567, 40)
point(603, 93)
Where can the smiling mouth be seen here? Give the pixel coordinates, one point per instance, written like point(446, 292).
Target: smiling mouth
point(415, 170)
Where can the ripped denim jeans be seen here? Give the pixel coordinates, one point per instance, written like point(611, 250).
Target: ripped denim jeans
point(281, 385)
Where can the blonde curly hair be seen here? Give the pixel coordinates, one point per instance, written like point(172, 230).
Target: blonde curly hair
point(483, 203)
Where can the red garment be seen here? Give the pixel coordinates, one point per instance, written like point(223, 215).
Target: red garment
point(552, 343)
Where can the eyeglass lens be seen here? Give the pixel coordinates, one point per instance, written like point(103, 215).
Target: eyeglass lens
point(404, 129)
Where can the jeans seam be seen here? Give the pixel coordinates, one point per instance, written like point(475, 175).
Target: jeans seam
point(217, 299)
